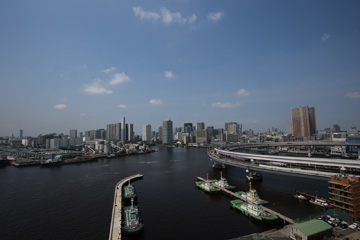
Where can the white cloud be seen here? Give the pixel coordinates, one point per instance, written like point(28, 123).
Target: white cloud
point(145, 14)
point(119, 78)
point(108, 70)
point(121, 106)
point(325, 37)
point(83, 114)
point(243, 92)
point(353, 95)
point(60, 106)
point(96, 88)
point(84, 66)
point(215, 16)
point(226, 105)
point(165, 15)
point(168, 74)
point(175, 17)
point(155, 102)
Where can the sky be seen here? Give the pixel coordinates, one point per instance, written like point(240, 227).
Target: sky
point(81, 64)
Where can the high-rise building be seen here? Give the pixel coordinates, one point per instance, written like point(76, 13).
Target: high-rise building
point(129, 132)
point(146, 133)
point(21, 133)
point(303, 121)
point(160, 134)
point(232, 127)
point(188, 127)
point(123, 129)
point(345, 195)
point(167, 132)
point(200, 126)
point(336, 128)
point(73, 133)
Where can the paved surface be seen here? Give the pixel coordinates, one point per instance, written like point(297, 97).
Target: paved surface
point(115, 227)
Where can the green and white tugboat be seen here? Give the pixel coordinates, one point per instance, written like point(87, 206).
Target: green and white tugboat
point(132, 223)
point(222, 182)
point(129, 191)
point(253, 209)
point(207, 185)
point(252, 196)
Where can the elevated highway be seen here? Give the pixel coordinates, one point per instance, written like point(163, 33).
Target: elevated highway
point(305, 166)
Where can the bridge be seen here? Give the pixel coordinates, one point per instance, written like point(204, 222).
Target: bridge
point(286, 219)
point(115, 226)
point(305, 166)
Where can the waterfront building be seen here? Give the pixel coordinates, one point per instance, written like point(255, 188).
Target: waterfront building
point(146, 133)
point(21, 133)
point(303, 121)
point(167, 132)
point(123, 129)
point(73, 133)
point(345, 195)
point(202, 136)
point(336, 128)
point(311, 230)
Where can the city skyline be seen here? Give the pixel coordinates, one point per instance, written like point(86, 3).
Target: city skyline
point(81, 65)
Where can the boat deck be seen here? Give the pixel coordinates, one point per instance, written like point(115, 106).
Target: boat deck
point(115, 226)
point(287, 219)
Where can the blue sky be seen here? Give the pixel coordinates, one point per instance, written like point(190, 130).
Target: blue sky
point(82, 64)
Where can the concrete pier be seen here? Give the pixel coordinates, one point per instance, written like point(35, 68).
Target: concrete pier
point(115, 226)
point(289, 220)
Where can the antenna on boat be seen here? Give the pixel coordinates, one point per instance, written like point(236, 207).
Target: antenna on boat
point(220, 174)
point(252, 194)
point(132, 203)
point(207, 177)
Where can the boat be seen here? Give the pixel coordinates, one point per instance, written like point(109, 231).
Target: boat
point(300, 196)
point(132, 222)
point(253, 176)
point(320, 202)
point(253, 210)
point(57, 160)
point(129, 191)
point(252, 196)
point(207, 185)
point(222, 182)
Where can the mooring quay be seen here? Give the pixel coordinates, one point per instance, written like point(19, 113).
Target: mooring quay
point(286, 219)
point(115, 226)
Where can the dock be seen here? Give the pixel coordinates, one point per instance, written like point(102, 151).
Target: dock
point(286, 219)
point(115, 226)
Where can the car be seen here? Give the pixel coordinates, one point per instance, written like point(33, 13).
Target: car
point(353, 226)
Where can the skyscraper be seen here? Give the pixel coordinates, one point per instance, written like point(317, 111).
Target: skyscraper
point(130, 132)
point(188, 127)
point(123, 129)
point(303, 121)
point(200, 126)
point(167, 132)
point(146, 133)
point(73, 133)
point(21, 133)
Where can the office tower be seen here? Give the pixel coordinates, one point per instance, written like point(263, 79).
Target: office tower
point(303, 121)
point(232, 127)
point(200, 126)
point(344, 194)
point(130, 132)
point(160, 134)
point(336, 128)
point(87, 133)
point(146, 133)
point(167, 132)
point(123, 129)
point(188, 127)
point(21, 133)
point(73, 133)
